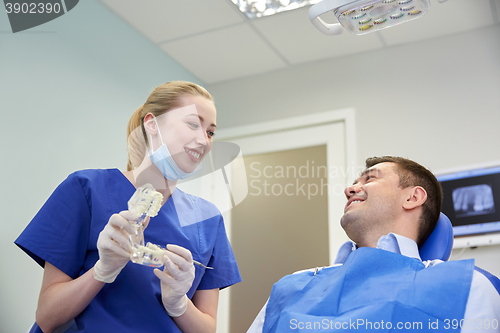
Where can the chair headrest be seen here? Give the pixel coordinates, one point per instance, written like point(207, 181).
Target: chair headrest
point(440, 242)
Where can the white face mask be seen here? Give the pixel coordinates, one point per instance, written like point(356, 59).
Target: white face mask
point(166, 164)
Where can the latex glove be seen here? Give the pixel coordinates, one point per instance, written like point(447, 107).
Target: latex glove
point(176, 279)
point(114, 247)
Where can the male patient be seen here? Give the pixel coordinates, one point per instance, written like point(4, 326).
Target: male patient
point(378, 282)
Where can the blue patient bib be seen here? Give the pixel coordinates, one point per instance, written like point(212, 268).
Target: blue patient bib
point(375, 290)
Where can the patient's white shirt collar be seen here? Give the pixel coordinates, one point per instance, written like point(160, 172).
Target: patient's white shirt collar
point(391, 242)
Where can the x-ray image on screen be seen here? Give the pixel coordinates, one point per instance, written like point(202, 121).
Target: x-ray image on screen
point(473, 200)
point(469, 197)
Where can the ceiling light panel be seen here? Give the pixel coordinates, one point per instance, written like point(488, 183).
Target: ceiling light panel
point(259, 8)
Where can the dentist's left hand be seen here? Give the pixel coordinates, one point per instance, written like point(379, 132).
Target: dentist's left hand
point(176, 279)
point(114, 247)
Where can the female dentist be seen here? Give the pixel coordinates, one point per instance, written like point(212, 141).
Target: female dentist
point(80, 235)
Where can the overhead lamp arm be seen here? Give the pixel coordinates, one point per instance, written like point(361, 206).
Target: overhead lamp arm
point(322, 7)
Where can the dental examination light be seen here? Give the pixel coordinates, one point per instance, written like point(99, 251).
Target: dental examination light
point(365, 16)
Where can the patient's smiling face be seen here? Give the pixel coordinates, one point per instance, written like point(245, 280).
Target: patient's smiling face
point(373, 202)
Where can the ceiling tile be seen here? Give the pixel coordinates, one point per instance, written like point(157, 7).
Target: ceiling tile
point(298, 41)
point(443, 19)
point(224, 54)
point(161, 20)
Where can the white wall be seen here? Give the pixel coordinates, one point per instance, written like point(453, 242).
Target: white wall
point(67, 90)
point(437, 102)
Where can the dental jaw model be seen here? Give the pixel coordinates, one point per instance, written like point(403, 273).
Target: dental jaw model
point(146, 201)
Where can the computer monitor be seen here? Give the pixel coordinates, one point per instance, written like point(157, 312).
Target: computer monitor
point(471, 199)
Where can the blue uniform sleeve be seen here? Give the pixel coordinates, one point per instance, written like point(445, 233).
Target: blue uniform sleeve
point(59, 232)
point(225, 272)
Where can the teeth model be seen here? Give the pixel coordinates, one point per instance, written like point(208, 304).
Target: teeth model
point(146, 201)
point(149, 255)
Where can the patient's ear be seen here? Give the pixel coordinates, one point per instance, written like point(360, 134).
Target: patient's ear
point(416, 197)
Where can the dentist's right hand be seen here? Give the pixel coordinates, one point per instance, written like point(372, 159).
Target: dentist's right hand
point(114, 246)
point(176, 279)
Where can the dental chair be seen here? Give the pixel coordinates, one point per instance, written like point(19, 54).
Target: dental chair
point(440, 243)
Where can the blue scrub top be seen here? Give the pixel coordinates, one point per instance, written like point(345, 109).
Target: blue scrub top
point(65, 231)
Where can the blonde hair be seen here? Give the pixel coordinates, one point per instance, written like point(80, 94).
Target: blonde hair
point(162, 99)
